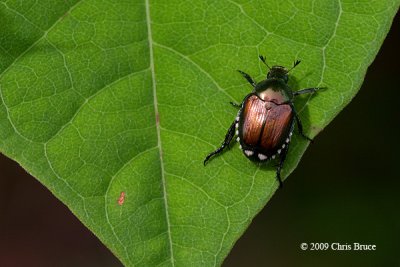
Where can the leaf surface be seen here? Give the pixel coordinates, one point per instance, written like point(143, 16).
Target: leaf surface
point(113, 105)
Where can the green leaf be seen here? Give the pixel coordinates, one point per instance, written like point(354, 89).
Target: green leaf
point(113, 105)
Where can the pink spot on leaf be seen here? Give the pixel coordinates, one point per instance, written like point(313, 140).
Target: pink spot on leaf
point(121, 198)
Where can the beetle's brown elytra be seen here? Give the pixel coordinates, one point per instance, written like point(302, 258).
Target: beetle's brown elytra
point(265, 121)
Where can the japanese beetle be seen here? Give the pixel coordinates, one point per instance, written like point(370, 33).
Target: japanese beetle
point(265, 121)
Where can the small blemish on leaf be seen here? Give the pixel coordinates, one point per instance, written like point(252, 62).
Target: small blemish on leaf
point(316, 130)
point(157, 119)
point(121, 198)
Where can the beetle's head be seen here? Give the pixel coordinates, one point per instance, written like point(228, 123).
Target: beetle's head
point(278, 72)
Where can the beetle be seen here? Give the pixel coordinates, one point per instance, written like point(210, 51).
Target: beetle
point(265, 121)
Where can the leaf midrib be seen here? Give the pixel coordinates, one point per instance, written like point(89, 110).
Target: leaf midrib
point(156, 114)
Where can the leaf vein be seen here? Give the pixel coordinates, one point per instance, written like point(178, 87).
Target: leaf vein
point(107, 192)
point(87, 100)
point(39, 39)
point(164, 185)
point(197, 66)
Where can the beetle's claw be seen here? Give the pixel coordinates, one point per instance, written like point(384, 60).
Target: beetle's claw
point(206, 160)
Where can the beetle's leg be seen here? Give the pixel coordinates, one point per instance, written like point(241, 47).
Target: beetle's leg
point(282, 159)
point(228, 138)
point(235, 104)
point(248, 78)
point(307, 91)
point(300, 126)
point(280, 165)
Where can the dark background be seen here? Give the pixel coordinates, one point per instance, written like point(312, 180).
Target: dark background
point(346, 189)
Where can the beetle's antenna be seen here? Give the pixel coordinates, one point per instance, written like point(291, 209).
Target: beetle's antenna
point(262, 58)
point(297, 62)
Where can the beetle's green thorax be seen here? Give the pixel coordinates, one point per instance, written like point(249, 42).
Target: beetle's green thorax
point(275, 90)
point(275, 87)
